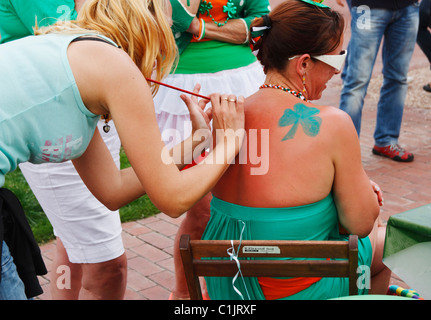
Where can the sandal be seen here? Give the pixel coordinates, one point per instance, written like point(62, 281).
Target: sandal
point(427, 87)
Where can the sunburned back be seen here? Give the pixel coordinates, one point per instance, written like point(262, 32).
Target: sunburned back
point(289, 151)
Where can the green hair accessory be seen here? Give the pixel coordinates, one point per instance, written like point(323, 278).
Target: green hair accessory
point(316, 3)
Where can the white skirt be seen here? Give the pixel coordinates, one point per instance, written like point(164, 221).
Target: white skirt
point(90, 232)
point(171, 111)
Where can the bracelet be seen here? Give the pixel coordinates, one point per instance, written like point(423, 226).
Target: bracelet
point(201, 30)
point(246, 31)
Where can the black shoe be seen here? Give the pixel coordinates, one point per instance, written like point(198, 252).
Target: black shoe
point(427, 87)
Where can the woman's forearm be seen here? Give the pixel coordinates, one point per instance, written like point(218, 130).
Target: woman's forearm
point(182, 192)
point(234, 31)
point(188, 150)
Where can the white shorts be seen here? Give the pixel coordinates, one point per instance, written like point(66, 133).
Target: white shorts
point(171, 111)
point(89, 231)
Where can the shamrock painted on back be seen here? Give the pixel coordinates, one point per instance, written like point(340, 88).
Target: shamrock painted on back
point(301, 115)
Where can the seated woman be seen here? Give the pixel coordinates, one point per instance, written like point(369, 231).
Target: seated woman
point(315, 181)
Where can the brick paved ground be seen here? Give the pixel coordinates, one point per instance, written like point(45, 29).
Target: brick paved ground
point(149, 242)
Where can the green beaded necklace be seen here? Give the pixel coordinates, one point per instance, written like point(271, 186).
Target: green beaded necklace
point(276, 86)
point(230, 8)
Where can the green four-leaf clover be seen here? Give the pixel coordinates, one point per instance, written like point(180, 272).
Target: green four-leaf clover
point(301, 115)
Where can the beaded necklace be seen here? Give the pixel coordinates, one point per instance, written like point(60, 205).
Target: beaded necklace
point(275, 86)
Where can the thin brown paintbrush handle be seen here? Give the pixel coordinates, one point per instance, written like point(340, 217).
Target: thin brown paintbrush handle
point(175, 88)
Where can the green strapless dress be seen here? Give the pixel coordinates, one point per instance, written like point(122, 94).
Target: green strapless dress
point(316, 221)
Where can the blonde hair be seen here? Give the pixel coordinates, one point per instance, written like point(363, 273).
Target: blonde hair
point(140, 27)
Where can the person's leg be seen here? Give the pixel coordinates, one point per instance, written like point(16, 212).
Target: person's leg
point(424, 35)
point(88, 281)
point(346, 63)
point(65, 276)
point(367, 32)
point(11, 286)
point(174, 128)
point(89, 235)
point(398, 47)
point(104, 281)
point(193, 224)
point(380, 274)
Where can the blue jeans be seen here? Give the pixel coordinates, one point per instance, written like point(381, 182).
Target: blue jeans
point(398, 29)
point(11, 286)
point(343, 73)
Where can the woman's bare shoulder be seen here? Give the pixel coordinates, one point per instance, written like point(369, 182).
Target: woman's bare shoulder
point(97, 54)
point(99, 69)
point(338, 119)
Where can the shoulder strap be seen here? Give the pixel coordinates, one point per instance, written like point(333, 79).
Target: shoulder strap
point(94, 38)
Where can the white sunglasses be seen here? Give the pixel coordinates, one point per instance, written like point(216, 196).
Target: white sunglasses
point(336, 61)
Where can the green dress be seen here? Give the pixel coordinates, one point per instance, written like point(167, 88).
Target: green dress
point(316, 221)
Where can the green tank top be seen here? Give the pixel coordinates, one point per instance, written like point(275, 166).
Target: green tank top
point(42, 115)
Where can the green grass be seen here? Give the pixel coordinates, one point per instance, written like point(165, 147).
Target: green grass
point(140, 208)
point(40, 224)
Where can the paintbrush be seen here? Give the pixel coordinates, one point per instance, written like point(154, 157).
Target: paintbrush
point(179, 89)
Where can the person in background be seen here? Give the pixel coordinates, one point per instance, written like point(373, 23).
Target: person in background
point(424, 35)
point(396, 22)
point(95, 246)
point(19, 17)
point(212, 37)
point(70, 74)
point(316, 187)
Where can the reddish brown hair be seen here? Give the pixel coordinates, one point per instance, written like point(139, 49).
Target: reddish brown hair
point(297, 28)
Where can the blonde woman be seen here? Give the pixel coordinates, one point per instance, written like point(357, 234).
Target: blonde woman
point(96, 245)
point(64, 85)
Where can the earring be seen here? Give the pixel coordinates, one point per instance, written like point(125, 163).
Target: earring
point(106, 127)
point(304, 89)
